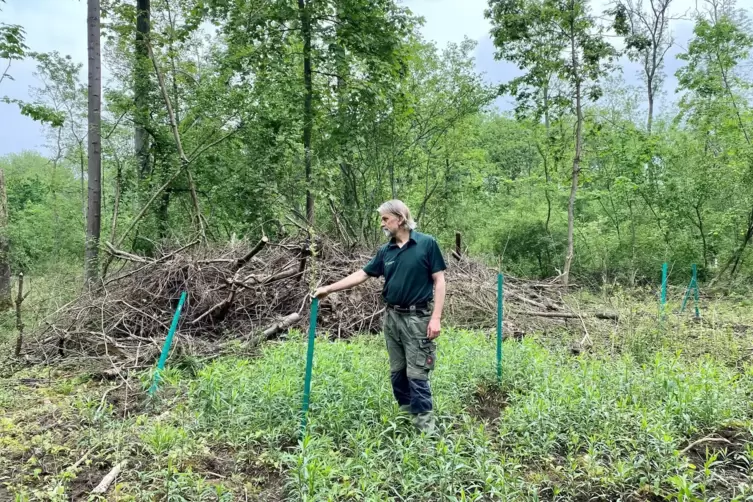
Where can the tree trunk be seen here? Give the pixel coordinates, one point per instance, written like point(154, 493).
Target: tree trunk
point(703, 236)
point(735, 258)
point(93, 213)
point(349, 187)
point(5, 279)
point(544, 156)
point(741, 250)
point(141, 87)
point(650, 121)
point(163, 217)
point(308, 114)
point(576, 169)
point(632, 243)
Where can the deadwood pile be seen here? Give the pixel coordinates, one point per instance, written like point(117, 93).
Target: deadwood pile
point(251, 292)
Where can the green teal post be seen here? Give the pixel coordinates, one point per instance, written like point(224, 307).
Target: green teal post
point(663, 287)
point(500, 318)
point(309, 364)
point(168, 342)
point(694, 287)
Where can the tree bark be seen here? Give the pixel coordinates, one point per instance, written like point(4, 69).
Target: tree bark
point(5, 279)
point(141, 87)
point(650, 120)
point(703, 235)
point(735, 258)
point(19, 320)
point(308, 112)
point(576, 168)
point(544, 156)
point(184, 160)
point(93, 213)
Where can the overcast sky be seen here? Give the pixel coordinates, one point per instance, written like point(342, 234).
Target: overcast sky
point(60, 25)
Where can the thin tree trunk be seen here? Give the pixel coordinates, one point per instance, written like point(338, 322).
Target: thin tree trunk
point(5, 279)
point(650, 121)
point(54, 194)
point(576, 170)
point(115, 210)
point(734, 101)
point(141, 87)
point(93, 214)
point(163, 215)
point(544, 156)
point(735, 258)
point(82, 163)
point(308, 114)
point(740, 251)
point(349, 192)
point(632, 243)
point(184, 161)
point(703, 236)
point(19, 320)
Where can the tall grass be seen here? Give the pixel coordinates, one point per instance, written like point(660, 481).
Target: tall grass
point(573, 428)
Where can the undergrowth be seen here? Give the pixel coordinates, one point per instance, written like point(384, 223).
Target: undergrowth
point(642, 416)
point(569, 428)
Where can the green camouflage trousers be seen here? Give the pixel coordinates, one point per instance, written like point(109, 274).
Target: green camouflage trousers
point(412, 358)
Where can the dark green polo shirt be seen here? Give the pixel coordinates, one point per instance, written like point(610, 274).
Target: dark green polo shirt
point(407, 271)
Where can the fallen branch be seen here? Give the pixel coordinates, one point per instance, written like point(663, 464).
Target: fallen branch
point(81, 460)
point(123, 255)
point(568, 315)
point(530, 302)
point(707, 439)
point(254, 280)
point(222, 305)
point(281, 326)
point(107, 480)
point(240, 262)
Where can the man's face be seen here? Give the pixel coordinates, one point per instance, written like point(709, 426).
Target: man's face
point(390, 224)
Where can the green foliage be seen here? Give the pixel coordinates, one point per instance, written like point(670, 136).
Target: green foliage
point(589, 425)
point(395, 116)
point(12, 44)
point(39, 113)
point(617, 421)
point(45, 213)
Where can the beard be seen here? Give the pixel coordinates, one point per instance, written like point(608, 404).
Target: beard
point(387, 233)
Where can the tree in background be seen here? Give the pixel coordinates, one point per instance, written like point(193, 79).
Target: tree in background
point(716, 105)
point(558, 37)
point(141, 87)
point(648, 38)
point(94, 172)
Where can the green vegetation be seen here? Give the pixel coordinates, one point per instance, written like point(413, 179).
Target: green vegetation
point(300, 118)
point(384, 113)
point(620, 421)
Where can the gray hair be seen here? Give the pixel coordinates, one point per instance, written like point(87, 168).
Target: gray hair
point(398, 208)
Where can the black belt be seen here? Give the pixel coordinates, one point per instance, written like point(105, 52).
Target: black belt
point(409, 309)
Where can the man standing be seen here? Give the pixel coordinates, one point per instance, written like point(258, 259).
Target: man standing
point(413, 270)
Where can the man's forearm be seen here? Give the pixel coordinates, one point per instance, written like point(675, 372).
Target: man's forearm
point(352, 280)
point(439, 294)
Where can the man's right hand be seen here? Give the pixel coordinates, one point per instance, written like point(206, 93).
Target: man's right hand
point(321, 293)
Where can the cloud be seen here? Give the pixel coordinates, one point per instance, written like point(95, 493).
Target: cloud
point(61, 25)
point(49, 25)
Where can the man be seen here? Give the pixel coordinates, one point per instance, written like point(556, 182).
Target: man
point(413, 270)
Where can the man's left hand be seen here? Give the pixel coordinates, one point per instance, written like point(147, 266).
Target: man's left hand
point(433, 330)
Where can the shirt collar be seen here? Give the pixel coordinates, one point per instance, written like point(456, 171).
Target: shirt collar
point(411, 237)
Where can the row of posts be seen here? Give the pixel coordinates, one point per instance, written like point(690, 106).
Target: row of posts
point(692, 286)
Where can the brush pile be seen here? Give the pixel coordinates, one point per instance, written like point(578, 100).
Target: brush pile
point(251, 293)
